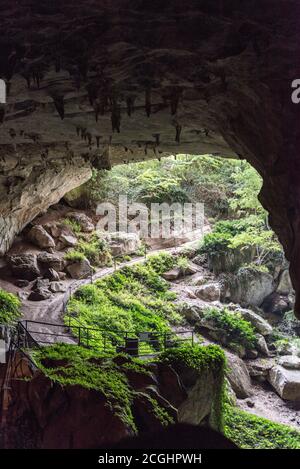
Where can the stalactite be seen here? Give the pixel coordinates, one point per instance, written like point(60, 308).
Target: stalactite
point(174, 101)
point(157, 138)
point(178, 128)
point(78, 131)
point(116, 117)
point(83, 132)
point(59, 104)
point(98, 140)
point(148, 102)
point(130, 105)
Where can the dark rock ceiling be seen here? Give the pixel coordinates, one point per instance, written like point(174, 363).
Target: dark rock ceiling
point(104, 82)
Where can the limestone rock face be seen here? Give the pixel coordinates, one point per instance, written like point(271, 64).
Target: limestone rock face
point(101, 83)
point(286, 382)
point(251, 287)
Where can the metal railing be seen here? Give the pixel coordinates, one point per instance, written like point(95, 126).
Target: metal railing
point(137, 343)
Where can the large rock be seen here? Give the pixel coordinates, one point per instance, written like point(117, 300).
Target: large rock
point(238, 376)
point(67, 241)
point(191, 312)
point(24, 266)
point(123, 243)
point(49, 260)
point(172, 274)
point(285, 286)
point(80, 270)
point(291, 362)
point(285, 382)
point(39, 236)
point(250, 286)
point(259, 368)
point(261, 325)
point(261, 345)
point(276, 303)
point(85, 222)
point(208, 292)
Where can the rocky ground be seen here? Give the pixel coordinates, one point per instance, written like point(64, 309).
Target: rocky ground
point(254, 387)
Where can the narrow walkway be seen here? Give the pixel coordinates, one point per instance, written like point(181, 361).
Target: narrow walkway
point(51, 310)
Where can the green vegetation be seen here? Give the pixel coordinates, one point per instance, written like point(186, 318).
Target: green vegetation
point(248, 235)
point(73, 224)
point(9, 307)
point(74, 256)
point(251, 432)
point(236, 330)
point(73, 365)
point(94, 248)
point(132, 300)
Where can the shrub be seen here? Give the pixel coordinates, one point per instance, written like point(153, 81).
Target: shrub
point(74, 225)
point(96, 250)
point(74, 256)
point(9, 307)
point(237, 330)
point(182, 264)
point(161, 262)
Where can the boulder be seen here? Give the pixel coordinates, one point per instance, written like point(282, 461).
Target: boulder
point(52, 274)
point(286, 382)
point(85, 222)
point(57, 287)
point(238, 376)
point(39, 236)
point(24, 266)
point(285, 286)
point(80, 270)
point(291, 362)
point(49, 260)
point(276, 303)
point(39, 294)
point(191, 312)
point(172, 274)
point(250, 286)
point(67, 240)
point(260, 368)
point(208, 292)
point(123, 243)
point(261, 325)
point(261, 345)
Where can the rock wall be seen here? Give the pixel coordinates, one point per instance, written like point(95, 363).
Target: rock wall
point(31, 182)
point(127, 80)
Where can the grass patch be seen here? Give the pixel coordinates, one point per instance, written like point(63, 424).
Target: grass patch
point(132, 300)
point(251, 432)
point(74, 256)
point(74, 225)
point(231, 325)
point(9, 307)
